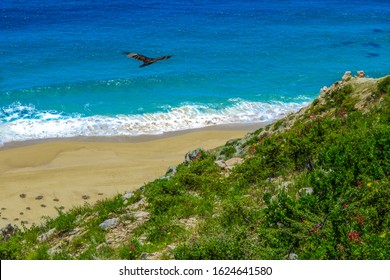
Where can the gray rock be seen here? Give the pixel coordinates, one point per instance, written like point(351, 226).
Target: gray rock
point(284, 185)
point(110, 223)
point(233, 162)
point(141, 215)
point(55, 250)
point(127, 195)
point(191, 156)
point(46, 236)
point(361, 74)
point(304, 191)
point(8, 231)
point(347, 76)
point(220, 163)
point(171, 171)
point(138, 204)
point(291, 256)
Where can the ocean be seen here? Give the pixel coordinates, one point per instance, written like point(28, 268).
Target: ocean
point(63, 72)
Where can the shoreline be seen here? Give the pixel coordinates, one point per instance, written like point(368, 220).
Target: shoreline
point(249, 127)
point(38, 176)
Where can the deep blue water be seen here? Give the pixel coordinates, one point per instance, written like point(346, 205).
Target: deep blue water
point(62, 72)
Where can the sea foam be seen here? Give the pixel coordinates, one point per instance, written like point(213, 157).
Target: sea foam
point(24, 122)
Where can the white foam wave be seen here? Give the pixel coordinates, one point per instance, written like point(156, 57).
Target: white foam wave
point(54, 125)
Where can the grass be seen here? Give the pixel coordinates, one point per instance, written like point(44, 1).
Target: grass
point(258, 210)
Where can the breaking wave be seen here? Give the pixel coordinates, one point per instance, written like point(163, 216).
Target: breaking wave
point(24, 122)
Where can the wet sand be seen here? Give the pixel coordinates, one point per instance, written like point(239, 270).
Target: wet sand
point(37, 177)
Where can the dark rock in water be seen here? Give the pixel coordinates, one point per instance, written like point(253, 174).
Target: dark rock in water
point(372, 54)
point(9, 231)
point(377, 30)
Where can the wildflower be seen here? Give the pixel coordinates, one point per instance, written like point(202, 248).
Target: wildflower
point(302, 135)
point(369, 184)
point(345, 205)
point(132, 248)
point(253, 149)
point(359, 183)
point(312, 116)
point(354, 236)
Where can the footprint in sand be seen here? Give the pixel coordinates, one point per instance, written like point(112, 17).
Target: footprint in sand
point(100, 193)
point(43, 205)
point(22, 195)
point(16, 219)
point(85, 197)
point(3, 208)
point(39, 197)
point(4, 218)
point(28, 208)
point(21, 213)
point(56, 199)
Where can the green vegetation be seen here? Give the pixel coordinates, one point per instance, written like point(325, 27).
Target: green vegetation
point(318, 189)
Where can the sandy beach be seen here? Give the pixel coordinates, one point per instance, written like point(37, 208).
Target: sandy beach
point(36, 178)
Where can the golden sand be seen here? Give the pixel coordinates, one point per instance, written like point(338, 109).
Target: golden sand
point(35, 179)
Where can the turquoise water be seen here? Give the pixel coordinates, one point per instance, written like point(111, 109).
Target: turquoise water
point(63, 73)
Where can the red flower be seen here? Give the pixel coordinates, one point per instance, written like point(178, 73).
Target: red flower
point(312, 116)
point(359, 183)
point(302, 135)
point(354, 236)
point(132, 248)
point(253, 149)
point(345, 205)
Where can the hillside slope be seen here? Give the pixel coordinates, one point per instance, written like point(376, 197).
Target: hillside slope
point(313, 185)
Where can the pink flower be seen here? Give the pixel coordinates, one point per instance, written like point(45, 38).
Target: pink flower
point(312, 116)
point(345, 205)
point(132, 248)
point(302, 135)
point(253, 149)
point(354, 236)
